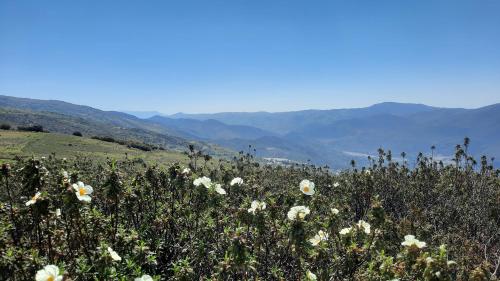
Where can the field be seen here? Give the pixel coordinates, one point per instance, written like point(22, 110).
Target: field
point(28, 144)
point(81, 218)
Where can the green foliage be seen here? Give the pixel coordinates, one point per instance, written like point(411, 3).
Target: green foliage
point(32, 128)
point(129, 144)
point(163, 224)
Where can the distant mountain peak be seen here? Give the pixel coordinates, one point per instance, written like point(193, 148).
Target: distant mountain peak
point(143, 114)
point(391, 104)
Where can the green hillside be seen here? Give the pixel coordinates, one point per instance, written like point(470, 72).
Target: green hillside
point(66, 118)
point(66, 124)
point(26, 144)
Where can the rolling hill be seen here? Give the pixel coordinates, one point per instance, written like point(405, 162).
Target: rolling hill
point(27, 144)
point(339, 134)
point(66, 118)
point(210, 129)
point(286, 122)
point(324, 137)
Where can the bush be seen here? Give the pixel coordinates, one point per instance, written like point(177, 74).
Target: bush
point(106, 139)
point(129, 144)
point(5, 127)
point(381, 222)
point(78, 134)
point(34, 128)
point(141, 146)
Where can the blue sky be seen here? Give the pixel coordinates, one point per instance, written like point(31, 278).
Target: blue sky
point(210, 56)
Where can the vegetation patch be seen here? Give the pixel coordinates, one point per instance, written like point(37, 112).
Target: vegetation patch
point(32, 128)
point(119, 220)
point(130, 144)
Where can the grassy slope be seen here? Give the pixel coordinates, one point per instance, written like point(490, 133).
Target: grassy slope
point(138, 132)
point(14, 143)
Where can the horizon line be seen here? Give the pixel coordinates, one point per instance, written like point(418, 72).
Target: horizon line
point(253, 111)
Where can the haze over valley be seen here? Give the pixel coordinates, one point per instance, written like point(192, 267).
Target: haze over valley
point(321, 137)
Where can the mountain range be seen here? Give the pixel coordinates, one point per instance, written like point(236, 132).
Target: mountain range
point(324, 137)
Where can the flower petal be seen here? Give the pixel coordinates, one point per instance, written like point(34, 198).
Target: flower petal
point(88, 189)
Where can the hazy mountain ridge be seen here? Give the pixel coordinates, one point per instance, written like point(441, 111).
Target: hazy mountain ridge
point(210, 129)
point(66, 124)
point(332, 137)
point(411, 128)
point(115, 118)
point(63, 117)
point(144, 114)
point(286, 122)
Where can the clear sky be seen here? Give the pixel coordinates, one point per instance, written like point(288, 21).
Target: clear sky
point(210, 56)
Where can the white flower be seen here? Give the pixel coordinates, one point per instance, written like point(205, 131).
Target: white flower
point(336, 184)
point(83, 191)
point(411, 241)
point(368, 172)
point(318, 238)
point(345, 231)
point(238, 181)
point(257, 206)
point(218, 188)
point(451, 263)
point(205, 181)
point(311, 276)
point(335, 211)
point(298, 212)
point(58, 212)
point(307, 187)
point(66, 178)
point(49, 273)
point(114, 255)
point(33, 199)
point(186, 171)
point(364, 225)
point(144, 278)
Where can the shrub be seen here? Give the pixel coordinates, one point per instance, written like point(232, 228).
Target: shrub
point(106, 139)
point(5, 127)
point(129, 144)
point(33, 128)
point(242, 220)
point(78, 134)
point(141, 146)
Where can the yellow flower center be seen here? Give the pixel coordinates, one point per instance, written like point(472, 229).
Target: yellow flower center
point(81, 191)
point(33, 198)
point(306, 188)
point(51, 278)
